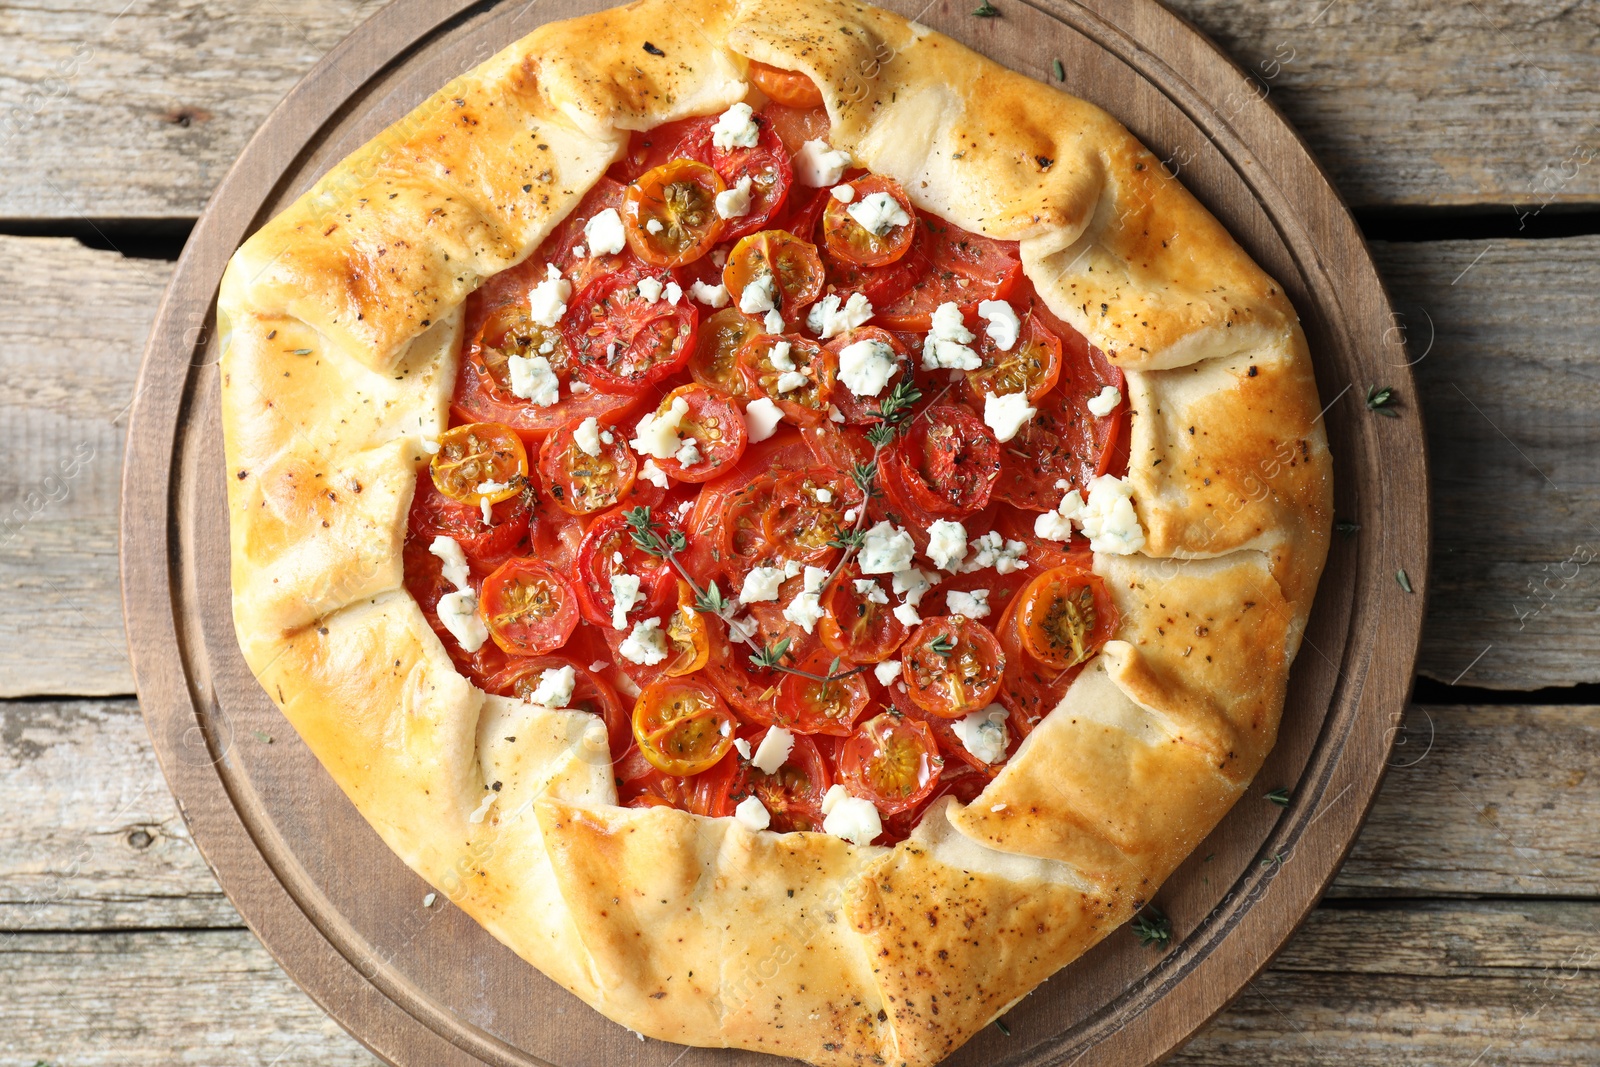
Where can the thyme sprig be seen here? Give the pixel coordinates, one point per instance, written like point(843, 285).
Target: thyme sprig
point(1153, 929)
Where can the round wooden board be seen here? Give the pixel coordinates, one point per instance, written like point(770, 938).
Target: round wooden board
point(420, 985)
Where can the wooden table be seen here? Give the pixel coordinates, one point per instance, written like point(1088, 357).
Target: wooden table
point(1463, 928)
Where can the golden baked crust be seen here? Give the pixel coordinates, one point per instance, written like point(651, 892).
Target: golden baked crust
point(342, 320)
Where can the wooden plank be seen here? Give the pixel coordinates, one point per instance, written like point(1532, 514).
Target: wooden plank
point(1392, 96)
point(1487, 800)
point(1504, 335)
point(1438, 983)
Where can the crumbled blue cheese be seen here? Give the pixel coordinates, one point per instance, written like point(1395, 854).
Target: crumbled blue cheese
point(870, 591)
point(773, 750)
point(806, 607)
point(653, 474)
point(866, 366)
point(1057, 525)
point(736, 128)
point(741, 746)
point(843, 193)
point(735, 202)
point(973, 604)
point(878, 213)
point(555, 687)
point(646, 645)
point(587, 436)
point(548, 301)
point(761, 418)
point(760, 295)
point(1003, 325)
point(1105, 402)
point(672, 293)
point(1108, 519)
point(912, 584)
point(983, 733)
point(946, 346)
point(782, 356)
point(823, 495)
point(993, 550)
point(458, 612)
point(817, 164)
point(1007, 415)
point(947, 544)
point(649, 289)
point(761, 584)
point(454, 561)
point(829, 317)
point(752, 814)
point(688, 453)
point(712, 296)
point(790, 380)
point(658, 431)
point(624, 595)
point(653, 225)
point(605, 234)
point(886, 550)
point(534, 380)
point(851, 818)
point(888, 672)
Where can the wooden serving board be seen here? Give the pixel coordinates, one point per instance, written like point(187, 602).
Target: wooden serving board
point(426, 986)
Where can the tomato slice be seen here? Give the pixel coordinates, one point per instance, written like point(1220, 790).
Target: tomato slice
point(480, 462)
point(766, 165)
point(952, 666)
point(858, 620)
point(608, 538)
point(688, 637)
point(887, 208)
point(433, 514)
point(716, 427)
point(529, 607)
point(892, 761)
point(797, 125)
point(864, 410)
point(1029, 690)
point(649, 149)
point(809, 706)
point(792, 794)
point(962, 267)
point(478, 398)
point(951, 746)
point(794, 372)
point(1031, 366)
point(670, 214)
point(806, 516)
point(622, 339)
point(777, 258)
point(788, 87)
point(580, 483)
point(882, 286)
point(1065, 616)
point(949, 461)
point(590, 693)
point(740, 531)
point(682, 726)
point(715, 362)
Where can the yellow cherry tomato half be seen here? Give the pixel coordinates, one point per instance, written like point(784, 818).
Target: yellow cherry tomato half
point(478, 462)
point(688, 638)
point(682, 726)
point(670, 213)
point(1065, 616)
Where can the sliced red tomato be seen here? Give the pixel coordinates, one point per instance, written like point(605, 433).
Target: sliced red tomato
point(433, 514)
point(1032, 365)
point(864, 410)
point(951, 746)
point(752, 690)
point(1066, 615)
point(479, 398)
point(948, 461)
point(740, 531)
point(804, 520)
point(582, 483)
point(891, 760)
point(608, 538)
point(682, 726)
point(624, 340)
point(858, 620)
point(792, 794)
point(480, 462)
point(959, 780)
point(529, 608)
point(952, 666)
point(788, 87)
point(766, 165)
point(670, 213)
point(715, 362)
point(716, 427)
point(790, 266)
point(649, 149)
point(797, 125)
point(590, 692)
point(962, 267)
point(794, 372)
point(889, 211)
point(883, 285)
point(1029, 690)
point(808, 706)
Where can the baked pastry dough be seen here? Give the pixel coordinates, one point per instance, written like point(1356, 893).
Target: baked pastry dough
point(343, 321)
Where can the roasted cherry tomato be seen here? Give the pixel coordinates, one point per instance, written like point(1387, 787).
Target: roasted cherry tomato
point(962, 267)
point(876, 227)
point(808, 706)
point(623, 339)
point(751, 688)
point(795, 372)
point(949, 461)
point(883, 286)
point(891, 760)
point(788, 267)
point(788, 87)
point(806, 516)
point(590, 693)
point(688, 637)
point(716, 427)
point(1030, 690)
point(765, 164)
point(581, 482)
point(480, 462)
point(858, 620)
point(1065, 616)
point(864, 410)
point(530, 609)
point(682, 726)
point(433, 513)
point(670, 215)
point(792, 794)
point(611, 536)
point(510, 331)
point(715, 362)
point(1031, 365)
point(797, 125)
point(952, 666)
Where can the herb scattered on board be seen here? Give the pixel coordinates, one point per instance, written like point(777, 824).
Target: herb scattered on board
point(1403, 578)
point(1347, 527)
point(1279, 797)
point(999, 1024)
point(1380, 398)
point(986, 10)
point(1152, 928)
point(1060, 71)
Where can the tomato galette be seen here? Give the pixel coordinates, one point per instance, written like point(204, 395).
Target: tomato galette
point(795, 528)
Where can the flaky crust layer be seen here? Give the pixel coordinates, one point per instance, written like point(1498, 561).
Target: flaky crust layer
point(342, 323)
